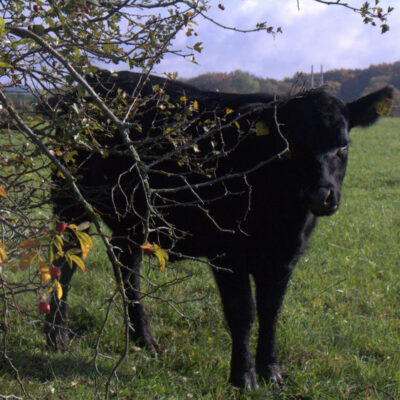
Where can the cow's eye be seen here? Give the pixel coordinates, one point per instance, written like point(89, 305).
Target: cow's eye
point(342, 151)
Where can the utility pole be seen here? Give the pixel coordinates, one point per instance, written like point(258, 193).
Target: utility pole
point(321, 76)
point(312, 77)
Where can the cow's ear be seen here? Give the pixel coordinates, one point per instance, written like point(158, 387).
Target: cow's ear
point(367, 109)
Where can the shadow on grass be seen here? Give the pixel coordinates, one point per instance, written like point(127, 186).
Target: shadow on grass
point(44, 366)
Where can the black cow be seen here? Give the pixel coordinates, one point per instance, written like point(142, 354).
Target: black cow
point(255, 222)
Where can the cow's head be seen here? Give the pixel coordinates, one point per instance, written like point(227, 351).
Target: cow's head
point(316, 125)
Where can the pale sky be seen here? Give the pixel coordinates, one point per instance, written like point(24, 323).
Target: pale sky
point(316, 34)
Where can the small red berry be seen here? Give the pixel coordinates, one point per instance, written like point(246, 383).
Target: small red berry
point(55, 272)
point(44, 307)
point(36, 7)
point(12, 70)
point(221, 6)
point(87, 10)
point(54, 63)
point(196, 34)
point(61, 226)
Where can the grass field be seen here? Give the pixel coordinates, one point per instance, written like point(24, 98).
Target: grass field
point(339, 331)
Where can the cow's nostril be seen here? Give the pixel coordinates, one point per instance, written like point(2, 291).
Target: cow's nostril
point(321, 196)
point(323, 201)
point(330, 197)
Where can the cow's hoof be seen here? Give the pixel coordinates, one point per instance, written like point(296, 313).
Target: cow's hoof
point(246, 381)
point(148, 343)
point(271, 374)
point(146, 340)
point(57, 338)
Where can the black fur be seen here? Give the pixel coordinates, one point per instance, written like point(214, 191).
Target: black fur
point(264, 220)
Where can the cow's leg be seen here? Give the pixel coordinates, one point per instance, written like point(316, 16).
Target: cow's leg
point(131, 262)
point(238, 305)
point(270, 291)
point(56, 325)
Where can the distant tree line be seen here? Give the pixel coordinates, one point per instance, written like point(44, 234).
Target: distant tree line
point(347, 84)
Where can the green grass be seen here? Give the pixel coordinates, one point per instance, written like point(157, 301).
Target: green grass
point(339, 331)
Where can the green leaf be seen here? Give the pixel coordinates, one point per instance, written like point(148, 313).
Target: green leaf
point(384, 28)
point(83, 226)
point(5, 65)
point(262, 128)
point(198, 47)
point(38, 29)
point(2, 27)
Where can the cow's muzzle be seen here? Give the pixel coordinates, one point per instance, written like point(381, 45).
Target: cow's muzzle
point(322, 201)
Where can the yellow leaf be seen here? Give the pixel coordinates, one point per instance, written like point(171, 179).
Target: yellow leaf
point(195, 105)
point(78, 261)
point(228, 111)
point(183, 98)
point(74, 250)
point(28, 243)
point(262, 128)
point(44, 270)
point(3, 192)
point(162, 256)
point(27, 259)
point(3, 254)
point(384, 107)
point(73, 227)
point(58, 243)
point(45, 276)
point(85, 241)
point(58, 288)
point(70, 253)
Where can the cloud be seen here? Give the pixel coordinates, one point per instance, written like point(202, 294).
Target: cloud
point(315, 34)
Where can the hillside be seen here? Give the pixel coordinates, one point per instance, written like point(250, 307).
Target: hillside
point(347, 84)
